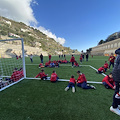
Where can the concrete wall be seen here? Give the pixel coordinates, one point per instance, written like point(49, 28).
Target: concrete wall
point(106, 48)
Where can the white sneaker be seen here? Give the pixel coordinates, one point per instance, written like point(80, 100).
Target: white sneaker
point(67, 88)
point(117, 96)
point(93, 87)
point(119, 107)
point(73, 89)
point(115, 110)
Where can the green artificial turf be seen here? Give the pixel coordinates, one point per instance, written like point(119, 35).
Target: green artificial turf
point(43, 100)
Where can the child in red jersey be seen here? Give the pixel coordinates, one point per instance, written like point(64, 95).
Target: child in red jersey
point(42, 75)
point(106, 66)
point(50, 57)
point(71, 84)
point(101, 70)
point(54, 77)
point(81, 59)
point(41, 65)
point(108, 82)
point(76, 64)
point(47, 64)
point(72, 60)
point(21, 72)
point(16, 75)
point(82, 82)
point(111, 60)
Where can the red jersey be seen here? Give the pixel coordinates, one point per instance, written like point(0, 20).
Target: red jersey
point(76, 64)
point(49, 56)
point(40, 64)
point(21, 74)
point(72, 59)
point(106, 65)
point(81, 58)
point(81, 78)
point(16, 76)
point(109, 81)
point(47, 63)
point(101, 69)
point(111, 59)
point(41, 74)
point(64, 61)
point(72, 80)
point(53, 77)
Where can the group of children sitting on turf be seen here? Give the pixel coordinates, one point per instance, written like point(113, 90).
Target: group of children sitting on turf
point(54, 77)
point(81, 81)
point(103, 69)
point(55, 63)
point(107, 81)
point(16, 75)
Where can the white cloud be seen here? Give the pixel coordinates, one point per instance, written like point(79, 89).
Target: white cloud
point(51, 35)
point(18, 10)
point(21, 11)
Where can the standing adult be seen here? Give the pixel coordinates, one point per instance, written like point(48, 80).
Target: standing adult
point(116, 77)
point(87, 56)
point(41, 58)
point(83, 56)
point(50, 57)
point(72, 60)
point(31, 58)
point(111, 60)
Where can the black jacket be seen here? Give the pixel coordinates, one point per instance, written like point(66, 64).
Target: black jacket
point(116, 69)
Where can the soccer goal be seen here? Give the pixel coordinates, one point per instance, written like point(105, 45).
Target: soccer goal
point(12, 62)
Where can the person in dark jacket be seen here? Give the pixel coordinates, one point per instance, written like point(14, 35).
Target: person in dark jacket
point(87, 56)
point(41, 58)
point(116, 77)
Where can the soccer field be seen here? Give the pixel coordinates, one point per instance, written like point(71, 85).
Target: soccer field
point(43, 100)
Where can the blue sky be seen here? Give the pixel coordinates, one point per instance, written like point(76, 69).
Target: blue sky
point(81, 24)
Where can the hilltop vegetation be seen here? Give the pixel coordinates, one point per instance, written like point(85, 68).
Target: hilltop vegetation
point(111, 37)
point(32, 37)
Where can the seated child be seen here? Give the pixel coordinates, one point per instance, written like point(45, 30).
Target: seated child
point(21, 72)
point(54, 77)
point(47, 64)
point(106, 66)
point(57, 64)
point(65, 61)
point(101, 70)
point(42, 75)
point(108, 82)
point(16, 75)
point(52, 65)
point(41, 65)
point(82, 82)
point(76, 64)
point(71, 84)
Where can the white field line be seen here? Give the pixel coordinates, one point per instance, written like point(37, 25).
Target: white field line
point(97, 70)
point(64, 80)
point(11, 84)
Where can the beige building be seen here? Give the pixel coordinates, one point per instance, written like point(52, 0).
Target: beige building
point(106, 48)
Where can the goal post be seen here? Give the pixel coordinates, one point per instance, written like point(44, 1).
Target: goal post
point(12, 57)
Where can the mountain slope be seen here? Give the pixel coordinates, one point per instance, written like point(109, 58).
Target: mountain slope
point(32, 37)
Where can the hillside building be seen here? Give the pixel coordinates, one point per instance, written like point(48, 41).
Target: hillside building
point(106, 48)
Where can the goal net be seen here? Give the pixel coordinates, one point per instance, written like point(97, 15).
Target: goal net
point(12, 62)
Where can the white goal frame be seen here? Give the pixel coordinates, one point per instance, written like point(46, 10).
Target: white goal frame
point(23, 61)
